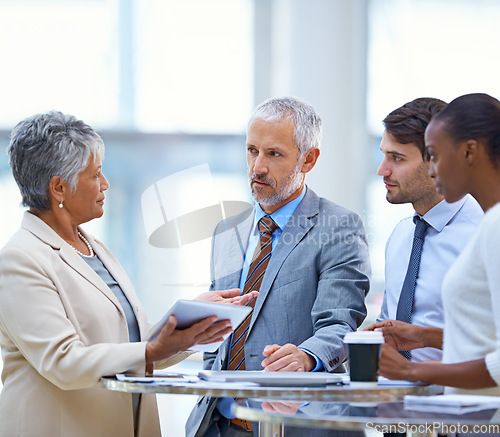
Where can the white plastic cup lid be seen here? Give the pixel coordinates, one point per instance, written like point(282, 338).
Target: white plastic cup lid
point(364, 337)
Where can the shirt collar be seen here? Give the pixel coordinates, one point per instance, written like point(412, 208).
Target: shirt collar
point(282, 215)
point(441, 214)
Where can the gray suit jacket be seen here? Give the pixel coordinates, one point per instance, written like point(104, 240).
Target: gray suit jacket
point(311, 295)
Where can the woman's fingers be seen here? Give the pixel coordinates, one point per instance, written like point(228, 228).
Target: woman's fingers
point(214, 332)
point(171, 340)
point(169, 327)
point(209, 330)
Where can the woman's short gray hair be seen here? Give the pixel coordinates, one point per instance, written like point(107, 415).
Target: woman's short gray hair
point(47, 145)
point(305, 119)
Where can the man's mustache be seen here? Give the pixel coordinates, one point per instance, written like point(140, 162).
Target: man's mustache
point(262, 178)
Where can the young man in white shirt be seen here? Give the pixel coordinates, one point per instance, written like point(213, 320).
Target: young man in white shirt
point(405, 173)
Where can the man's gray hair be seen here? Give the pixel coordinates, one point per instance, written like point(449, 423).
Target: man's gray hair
point(47, 145)
point(305, 119)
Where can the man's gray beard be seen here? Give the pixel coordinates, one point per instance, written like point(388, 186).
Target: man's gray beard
point(290, 185)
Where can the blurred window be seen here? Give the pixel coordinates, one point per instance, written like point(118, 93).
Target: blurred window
point(428, 48)
point(195, 65)
point(420, 48)
point(167, 83)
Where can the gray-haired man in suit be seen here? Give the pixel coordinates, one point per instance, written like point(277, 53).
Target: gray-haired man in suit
point(313, 290)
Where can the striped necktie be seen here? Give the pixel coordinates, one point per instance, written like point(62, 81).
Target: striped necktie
point(405, 304)
point(253, 281)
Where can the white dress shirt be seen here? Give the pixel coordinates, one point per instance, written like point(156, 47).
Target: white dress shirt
point(451, 226)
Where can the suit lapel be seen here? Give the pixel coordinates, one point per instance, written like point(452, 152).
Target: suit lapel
point(230, 245)
point(300, 223)
point(116, 271)
point(72, 259)
point(45, 233)
point(120, 276)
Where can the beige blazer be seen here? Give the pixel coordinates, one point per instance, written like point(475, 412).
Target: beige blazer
point(61, 330)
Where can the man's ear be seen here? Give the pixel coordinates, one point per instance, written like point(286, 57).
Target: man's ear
point(310, 159)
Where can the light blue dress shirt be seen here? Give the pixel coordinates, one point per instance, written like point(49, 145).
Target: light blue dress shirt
point(451, 226)
point(280, 217)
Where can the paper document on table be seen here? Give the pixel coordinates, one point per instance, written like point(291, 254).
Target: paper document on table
point(157, 379)
point(382, 381)
point(451, 404)
point(273, 378)
point(399, 382)
point(180, 380)
point(223, 385)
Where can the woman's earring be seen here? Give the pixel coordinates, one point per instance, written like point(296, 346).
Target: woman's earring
point(61, 204)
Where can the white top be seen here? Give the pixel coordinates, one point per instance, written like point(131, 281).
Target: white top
point(471, 296)
point(451, 226)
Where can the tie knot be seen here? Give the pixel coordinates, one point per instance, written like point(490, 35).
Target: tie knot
point(421, 227)
point(267, 225)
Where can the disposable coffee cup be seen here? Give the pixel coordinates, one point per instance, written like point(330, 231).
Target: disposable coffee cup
point(364, 355)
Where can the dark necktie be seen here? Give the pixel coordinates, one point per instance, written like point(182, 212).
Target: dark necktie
point(405, 304)
point(253, 281)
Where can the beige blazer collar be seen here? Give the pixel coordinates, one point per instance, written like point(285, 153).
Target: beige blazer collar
point(47, 235)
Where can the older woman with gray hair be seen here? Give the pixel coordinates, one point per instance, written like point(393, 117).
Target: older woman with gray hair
point(68, 312)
